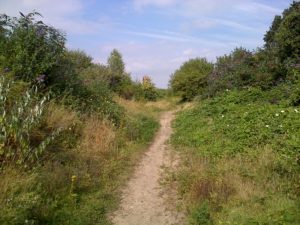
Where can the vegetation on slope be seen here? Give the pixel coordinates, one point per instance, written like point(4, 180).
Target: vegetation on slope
point(240, 141)
point(241, 160)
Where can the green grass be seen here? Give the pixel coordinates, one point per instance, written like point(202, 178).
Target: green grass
point(241, 155)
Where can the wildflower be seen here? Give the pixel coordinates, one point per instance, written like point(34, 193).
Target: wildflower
point(222, 116)
point(267, 126)
point(282, 111)
point(280, 126)
point(296, 110)
point(227, 90)
point(73, 178)
point(276, 114)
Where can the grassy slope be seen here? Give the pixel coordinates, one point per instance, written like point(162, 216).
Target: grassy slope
point(240, 160)
point(79, 182)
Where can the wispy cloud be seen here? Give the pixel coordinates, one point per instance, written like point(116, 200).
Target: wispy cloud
point(255, 7)
point(138, 4)
point(155, 36)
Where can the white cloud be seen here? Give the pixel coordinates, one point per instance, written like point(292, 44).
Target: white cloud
point(62, 14)
point(49, 8)
point(255, 7)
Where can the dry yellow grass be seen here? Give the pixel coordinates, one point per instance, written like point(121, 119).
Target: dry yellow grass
point(58, 116)
point(12, 181)
point(231, 178)
point(150, 108)
point(97, 136)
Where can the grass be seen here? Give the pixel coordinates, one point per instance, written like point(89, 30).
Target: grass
point(240, 159)
point(79, 179)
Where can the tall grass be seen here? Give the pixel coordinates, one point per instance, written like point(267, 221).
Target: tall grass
point(79, 180)
point(18, 121)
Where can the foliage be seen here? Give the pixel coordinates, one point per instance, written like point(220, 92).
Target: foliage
point(287, 37)
point(190, 79)
point(231, 71)
point(117, 69)
point(17, 124)
point(270, 35)
point(149, 90)
point(29, 48)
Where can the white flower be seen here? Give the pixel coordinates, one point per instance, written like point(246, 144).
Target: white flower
point(222, 116)
point(267, 126)
point(282, 111)
point(276, 114)
point(296, 110)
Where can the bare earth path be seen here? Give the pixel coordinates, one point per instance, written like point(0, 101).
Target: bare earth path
point(143, 200)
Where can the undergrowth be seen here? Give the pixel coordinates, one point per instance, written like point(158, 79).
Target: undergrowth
point(77, 181)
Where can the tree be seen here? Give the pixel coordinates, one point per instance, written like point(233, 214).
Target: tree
point(288, 34)
point(270, 35)
point(283, 42)
point(191, 78)
point(28, 47)
point(149, 90)
point(117, 68)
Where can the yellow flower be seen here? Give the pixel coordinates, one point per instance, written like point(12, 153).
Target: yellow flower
point(73, 178)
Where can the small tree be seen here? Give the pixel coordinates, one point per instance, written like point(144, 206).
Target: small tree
point(117, 68)
point(150, 92)
point(191, 78)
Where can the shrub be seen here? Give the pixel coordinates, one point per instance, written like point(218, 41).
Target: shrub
point(29, 47)
point(191, 78)
point(231, 71)
point(17, 124)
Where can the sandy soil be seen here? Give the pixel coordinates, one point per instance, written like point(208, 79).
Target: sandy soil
point(144, 200)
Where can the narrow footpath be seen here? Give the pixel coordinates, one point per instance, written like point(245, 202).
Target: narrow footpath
point(143, 199)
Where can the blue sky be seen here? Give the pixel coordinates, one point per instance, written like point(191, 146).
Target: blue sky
point(156, 36)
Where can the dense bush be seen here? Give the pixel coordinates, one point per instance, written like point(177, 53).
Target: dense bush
point(29, 47)
point(231, 71)
point(190, 79)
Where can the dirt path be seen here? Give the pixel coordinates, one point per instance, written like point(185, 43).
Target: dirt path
point(144, 200)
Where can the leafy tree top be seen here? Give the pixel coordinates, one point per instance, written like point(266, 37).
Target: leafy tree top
point(115, 63)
